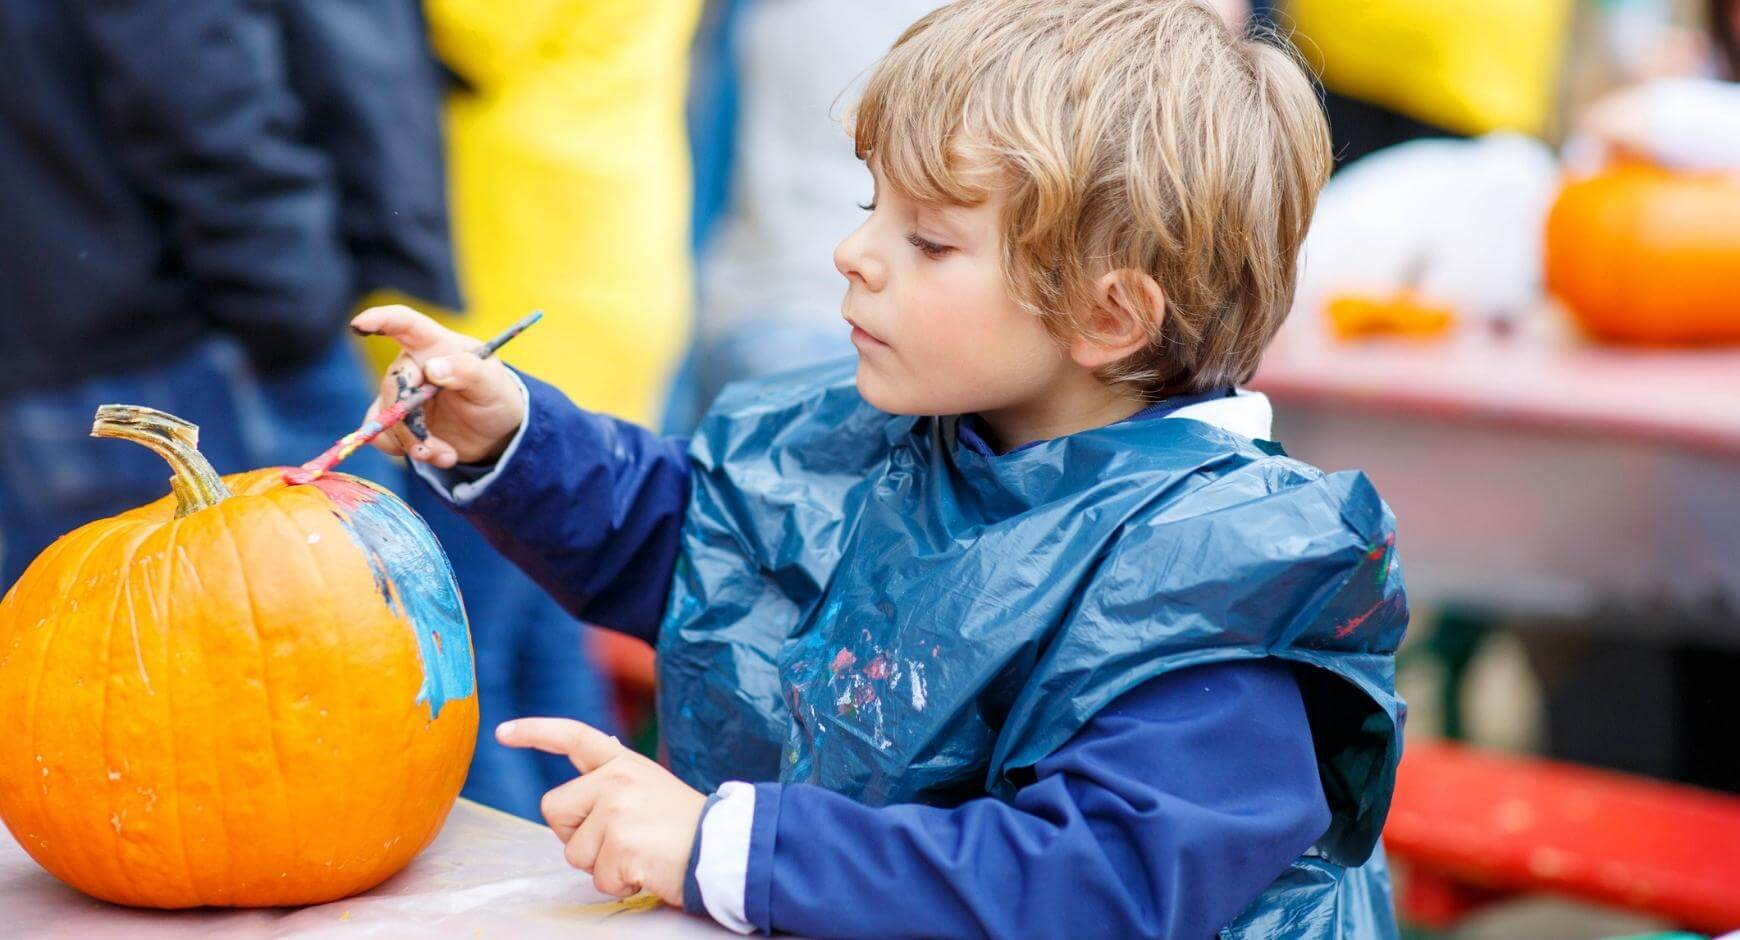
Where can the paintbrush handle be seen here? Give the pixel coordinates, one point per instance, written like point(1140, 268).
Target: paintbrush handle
point(397, 411)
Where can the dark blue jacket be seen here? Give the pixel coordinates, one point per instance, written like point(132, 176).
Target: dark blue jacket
point(173, 167)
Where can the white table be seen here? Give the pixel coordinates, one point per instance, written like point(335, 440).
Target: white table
point(487, 875)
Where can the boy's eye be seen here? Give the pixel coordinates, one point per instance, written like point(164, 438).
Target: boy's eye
point(868, 206)
point(931, 249)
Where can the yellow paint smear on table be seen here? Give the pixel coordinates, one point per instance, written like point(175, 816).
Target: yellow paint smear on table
point(644, 901)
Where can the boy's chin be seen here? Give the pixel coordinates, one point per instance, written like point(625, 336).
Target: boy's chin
point(887, 396)
point(904, 397)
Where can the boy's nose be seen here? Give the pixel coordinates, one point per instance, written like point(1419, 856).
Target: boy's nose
point(857, 264)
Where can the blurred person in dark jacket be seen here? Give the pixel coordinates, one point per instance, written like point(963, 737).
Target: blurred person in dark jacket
point(198, 193)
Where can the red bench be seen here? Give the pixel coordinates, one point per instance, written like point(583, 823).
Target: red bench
point(1473, 826)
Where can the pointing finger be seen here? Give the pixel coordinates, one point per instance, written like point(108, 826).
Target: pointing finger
point(583, 744)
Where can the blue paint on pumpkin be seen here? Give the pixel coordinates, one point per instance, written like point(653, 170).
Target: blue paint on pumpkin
point(414, 577)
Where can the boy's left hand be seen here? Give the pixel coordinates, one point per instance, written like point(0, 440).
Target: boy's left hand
point(626, 821)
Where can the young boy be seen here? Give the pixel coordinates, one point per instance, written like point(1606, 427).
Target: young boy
point(1083, 655)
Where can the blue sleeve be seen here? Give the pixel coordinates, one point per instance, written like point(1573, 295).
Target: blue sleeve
point(199, 100)
point(1164, 817)
point(591, 508)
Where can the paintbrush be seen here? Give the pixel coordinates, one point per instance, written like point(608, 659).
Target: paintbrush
point(393, 414)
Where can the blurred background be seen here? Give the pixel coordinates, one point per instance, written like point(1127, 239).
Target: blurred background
point(1519, 313)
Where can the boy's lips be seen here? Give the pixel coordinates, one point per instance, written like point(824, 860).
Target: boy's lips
point(862, 337)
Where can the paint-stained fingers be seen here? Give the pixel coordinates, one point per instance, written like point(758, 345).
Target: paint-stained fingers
point(403, 377)
point(410, 329)
point(402, 374)
point(417, 422)
point(400, 380)
point(431, 450)
point(439, 453)
point(407, 442)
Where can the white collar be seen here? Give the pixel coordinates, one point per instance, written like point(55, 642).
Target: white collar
point(1247, 414)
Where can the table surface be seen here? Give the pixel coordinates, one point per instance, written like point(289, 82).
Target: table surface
point(487, 875)
point(1688, 398)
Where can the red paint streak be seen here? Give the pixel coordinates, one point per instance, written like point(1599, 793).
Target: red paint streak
point(863, 696)
point(842, 662)
point(878, 668)
point(1379, 549)
point(345, 494)
point(437, 635)
point(1347, 628)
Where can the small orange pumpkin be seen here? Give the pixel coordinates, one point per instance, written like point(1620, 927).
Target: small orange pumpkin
point(244, 694)
point(1643, 255)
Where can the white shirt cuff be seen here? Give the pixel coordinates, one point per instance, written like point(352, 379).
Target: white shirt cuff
point(723, 871)
point(455, 487)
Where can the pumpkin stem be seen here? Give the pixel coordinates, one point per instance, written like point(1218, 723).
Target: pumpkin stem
point(195, 484)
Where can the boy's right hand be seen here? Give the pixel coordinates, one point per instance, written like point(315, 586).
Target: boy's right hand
point(480, 406)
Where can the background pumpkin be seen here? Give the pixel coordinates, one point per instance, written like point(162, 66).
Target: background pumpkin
point(1645, 255)
point(244, 694)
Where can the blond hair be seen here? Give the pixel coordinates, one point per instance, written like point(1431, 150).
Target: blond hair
point(1126, 135)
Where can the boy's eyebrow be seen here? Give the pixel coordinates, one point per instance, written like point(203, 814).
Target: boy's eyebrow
point(949, 218)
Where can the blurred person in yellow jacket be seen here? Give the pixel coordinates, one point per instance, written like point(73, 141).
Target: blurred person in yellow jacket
point(570, 192)
point(571, 187)
point(1397, 70)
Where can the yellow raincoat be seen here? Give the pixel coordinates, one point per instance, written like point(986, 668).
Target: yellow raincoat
point(571, 188)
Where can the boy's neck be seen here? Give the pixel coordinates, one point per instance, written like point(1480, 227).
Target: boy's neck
point(1069, 407)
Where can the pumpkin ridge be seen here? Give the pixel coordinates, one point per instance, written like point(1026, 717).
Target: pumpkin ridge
point(109, 654)
point(54, 550)
point(260, 644)
point(221, 813)
point(346, 668)
point(35, 696)
point(171, 559)
point(177, 557)
point(108, 657)
point(335, 627)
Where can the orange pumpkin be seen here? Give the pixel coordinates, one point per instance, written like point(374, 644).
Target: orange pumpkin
point(1643, 255)
point(243, 694)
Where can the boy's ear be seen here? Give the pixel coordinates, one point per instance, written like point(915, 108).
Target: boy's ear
point(1129, 307)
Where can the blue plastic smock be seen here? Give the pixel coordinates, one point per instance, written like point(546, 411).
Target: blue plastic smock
point(864, 604)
